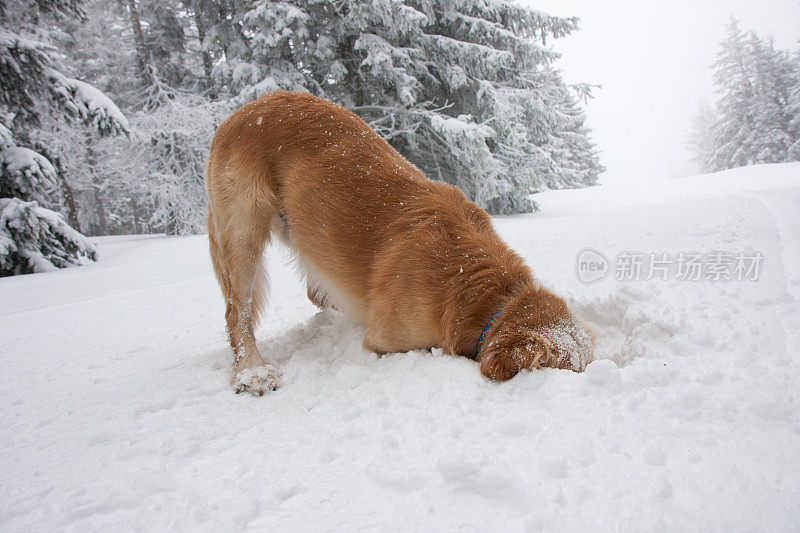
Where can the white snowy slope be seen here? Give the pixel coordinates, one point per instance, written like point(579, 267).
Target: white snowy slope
point(117, 413)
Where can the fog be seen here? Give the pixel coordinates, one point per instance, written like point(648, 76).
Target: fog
point(652, 60)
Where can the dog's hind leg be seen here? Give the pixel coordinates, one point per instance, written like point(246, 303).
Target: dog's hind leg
point(241, 246)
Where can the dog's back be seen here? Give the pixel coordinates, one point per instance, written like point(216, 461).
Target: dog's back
point(321, 177)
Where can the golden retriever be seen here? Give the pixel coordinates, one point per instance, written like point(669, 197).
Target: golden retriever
point(411, 259)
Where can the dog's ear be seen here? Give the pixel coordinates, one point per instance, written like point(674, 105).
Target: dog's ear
point(503, 361)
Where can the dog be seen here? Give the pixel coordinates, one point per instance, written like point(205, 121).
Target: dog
point(410, 259)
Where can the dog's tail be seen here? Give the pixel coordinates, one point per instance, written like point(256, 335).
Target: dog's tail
point(216, 257)
point(258, 292)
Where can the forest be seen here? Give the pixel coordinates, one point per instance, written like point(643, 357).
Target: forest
point(756, 116)
point(107, 109)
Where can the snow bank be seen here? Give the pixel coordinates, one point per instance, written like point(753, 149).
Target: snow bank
point(118, 412)
point(30, 171)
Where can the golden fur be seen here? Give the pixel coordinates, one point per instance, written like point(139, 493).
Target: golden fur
point(411, 259)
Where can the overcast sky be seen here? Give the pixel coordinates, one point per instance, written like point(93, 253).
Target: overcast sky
point(652, 57)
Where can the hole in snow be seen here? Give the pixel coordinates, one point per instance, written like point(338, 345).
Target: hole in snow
point(631, 322)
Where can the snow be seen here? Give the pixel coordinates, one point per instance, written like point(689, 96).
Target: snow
point(118, 412)
point(24, 161)
point(88, 103)
point(461, 126)
point(29, 47)
point(6, 137)
point(98, 105)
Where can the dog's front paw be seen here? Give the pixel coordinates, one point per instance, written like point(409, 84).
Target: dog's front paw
point(499, 367)
point(257, 380)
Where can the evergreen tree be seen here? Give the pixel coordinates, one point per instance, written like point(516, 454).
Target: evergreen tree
point(702, 136)
point(757, 121)
point(34, 238)
point(794, 110)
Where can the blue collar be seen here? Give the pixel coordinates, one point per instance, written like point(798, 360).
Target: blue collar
point(486, 329)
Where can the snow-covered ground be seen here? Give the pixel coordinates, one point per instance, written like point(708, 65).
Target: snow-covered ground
point(117, 413)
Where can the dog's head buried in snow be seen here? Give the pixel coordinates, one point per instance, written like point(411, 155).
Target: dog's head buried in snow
point(534, 329)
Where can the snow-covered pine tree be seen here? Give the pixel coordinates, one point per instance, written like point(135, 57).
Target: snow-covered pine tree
point(702, 136)
point(575, 159)
point(279, 51)
point(222, 38)
point(33, 237)
point(774, 76)
point(756, 120)
point(794, 110)
point(465, 89)
point(737, 96)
